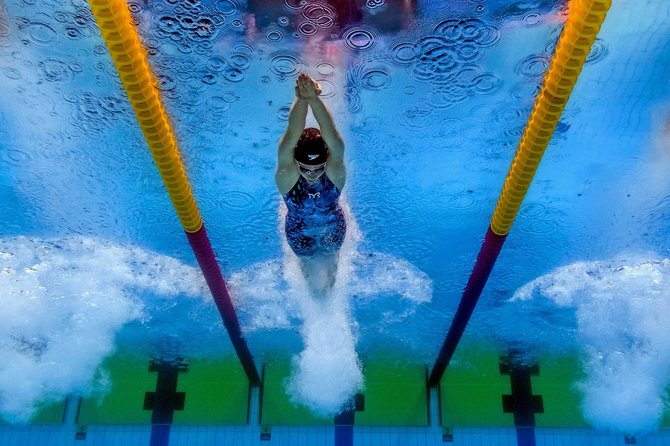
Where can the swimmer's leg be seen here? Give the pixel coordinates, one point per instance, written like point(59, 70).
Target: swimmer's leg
point(320, 272)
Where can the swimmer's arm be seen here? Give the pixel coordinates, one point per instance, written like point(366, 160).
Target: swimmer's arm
point(335, 168)
point(327, 127)
point(287, 171)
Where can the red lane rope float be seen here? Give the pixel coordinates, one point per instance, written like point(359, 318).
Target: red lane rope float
point(130, 59)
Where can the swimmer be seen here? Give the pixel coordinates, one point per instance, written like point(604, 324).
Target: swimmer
point(310, 176)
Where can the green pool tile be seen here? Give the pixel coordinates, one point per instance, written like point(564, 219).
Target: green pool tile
point(216, 392)
point(555, 382)
point(130, 379)
point(471, 391)
point(395, 395)
point(50, 414)
point(276, 408)
point(665, 420)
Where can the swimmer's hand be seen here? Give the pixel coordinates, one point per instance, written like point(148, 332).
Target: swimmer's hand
point(306, 88)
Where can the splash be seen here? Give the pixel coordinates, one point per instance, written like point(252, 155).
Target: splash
point(622, 313)
point(62, 303)
point(275, 295)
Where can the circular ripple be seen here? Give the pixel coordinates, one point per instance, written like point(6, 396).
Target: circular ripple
point(216, 63)
point(230, 97)
point(461, 200)
point(169, 25)
point(599, 51)
point(507, 115)
point(75, 67)
point(283, 112)
point(308, 29)
point(165, 83)
point(486, 83)
point(373, 4)
point(283, 21)
point(538, 219)
point(466, 75)
point(354, 102)
point(533, 66)
point(227, 7)
point(474, 30)
point(328, 88)
point(320, 15)
point(245, 49)
point(404, 53)
point(55, 70)
point(112, 105)
point(242, 161)
point(15, 157)
point(274, 35)
point(73, 33)
point(325, 69)
point(187, 22)
point(525, 90)
point(11, 73)
point(41, 33)
point(240, 61)
point(467, 52)
point(448, 95)
point(285, 65)
point(295, 4)
point(134, 7)
point(218, 103)
point(232, 74)
point(360, 39)
point(376, 80)
point(532, 19)
point(204, 29)
point(451, 29)
point(436, 59)
point(208, 78)
point(236, 199)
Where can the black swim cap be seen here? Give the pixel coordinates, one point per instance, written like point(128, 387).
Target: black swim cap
point(311, 148)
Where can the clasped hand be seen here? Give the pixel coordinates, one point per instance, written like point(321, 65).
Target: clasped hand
point(306, 88)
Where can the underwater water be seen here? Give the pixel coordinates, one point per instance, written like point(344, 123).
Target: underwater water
point(431, 98)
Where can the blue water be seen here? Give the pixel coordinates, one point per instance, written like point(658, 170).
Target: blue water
point(431, 98)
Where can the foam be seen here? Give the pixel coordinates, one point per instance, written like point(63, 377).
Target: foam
point(63, 302)
point(622, 310)
point(267, 294)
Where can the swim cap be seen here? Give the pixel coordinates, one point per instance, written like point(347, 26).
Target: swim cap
point(311, 148)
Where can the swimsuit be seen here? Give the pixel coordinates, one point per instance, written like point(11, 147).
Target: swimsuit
point(314, 222)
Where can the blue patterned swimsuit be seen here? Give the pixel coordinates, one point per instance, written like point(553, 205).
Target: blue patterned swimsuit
point(314, 223)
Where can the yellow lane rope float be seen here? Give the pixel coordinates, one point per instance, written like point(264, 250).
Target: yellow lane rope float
point(130, 59)
point(584, 21)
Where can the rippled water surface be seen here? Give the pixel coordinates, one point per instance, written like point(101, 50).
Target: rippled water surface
point(431, 97)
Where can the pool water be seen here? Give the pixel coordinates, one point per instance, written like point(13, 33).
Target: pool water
point(98, 279)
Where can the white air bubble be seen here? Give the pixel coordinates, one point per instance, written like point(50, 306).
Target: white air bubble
point(622, 310)
point(62, 303)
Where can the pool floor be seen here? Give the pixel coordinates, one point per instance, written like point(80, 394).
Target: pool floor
point(253, 433)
